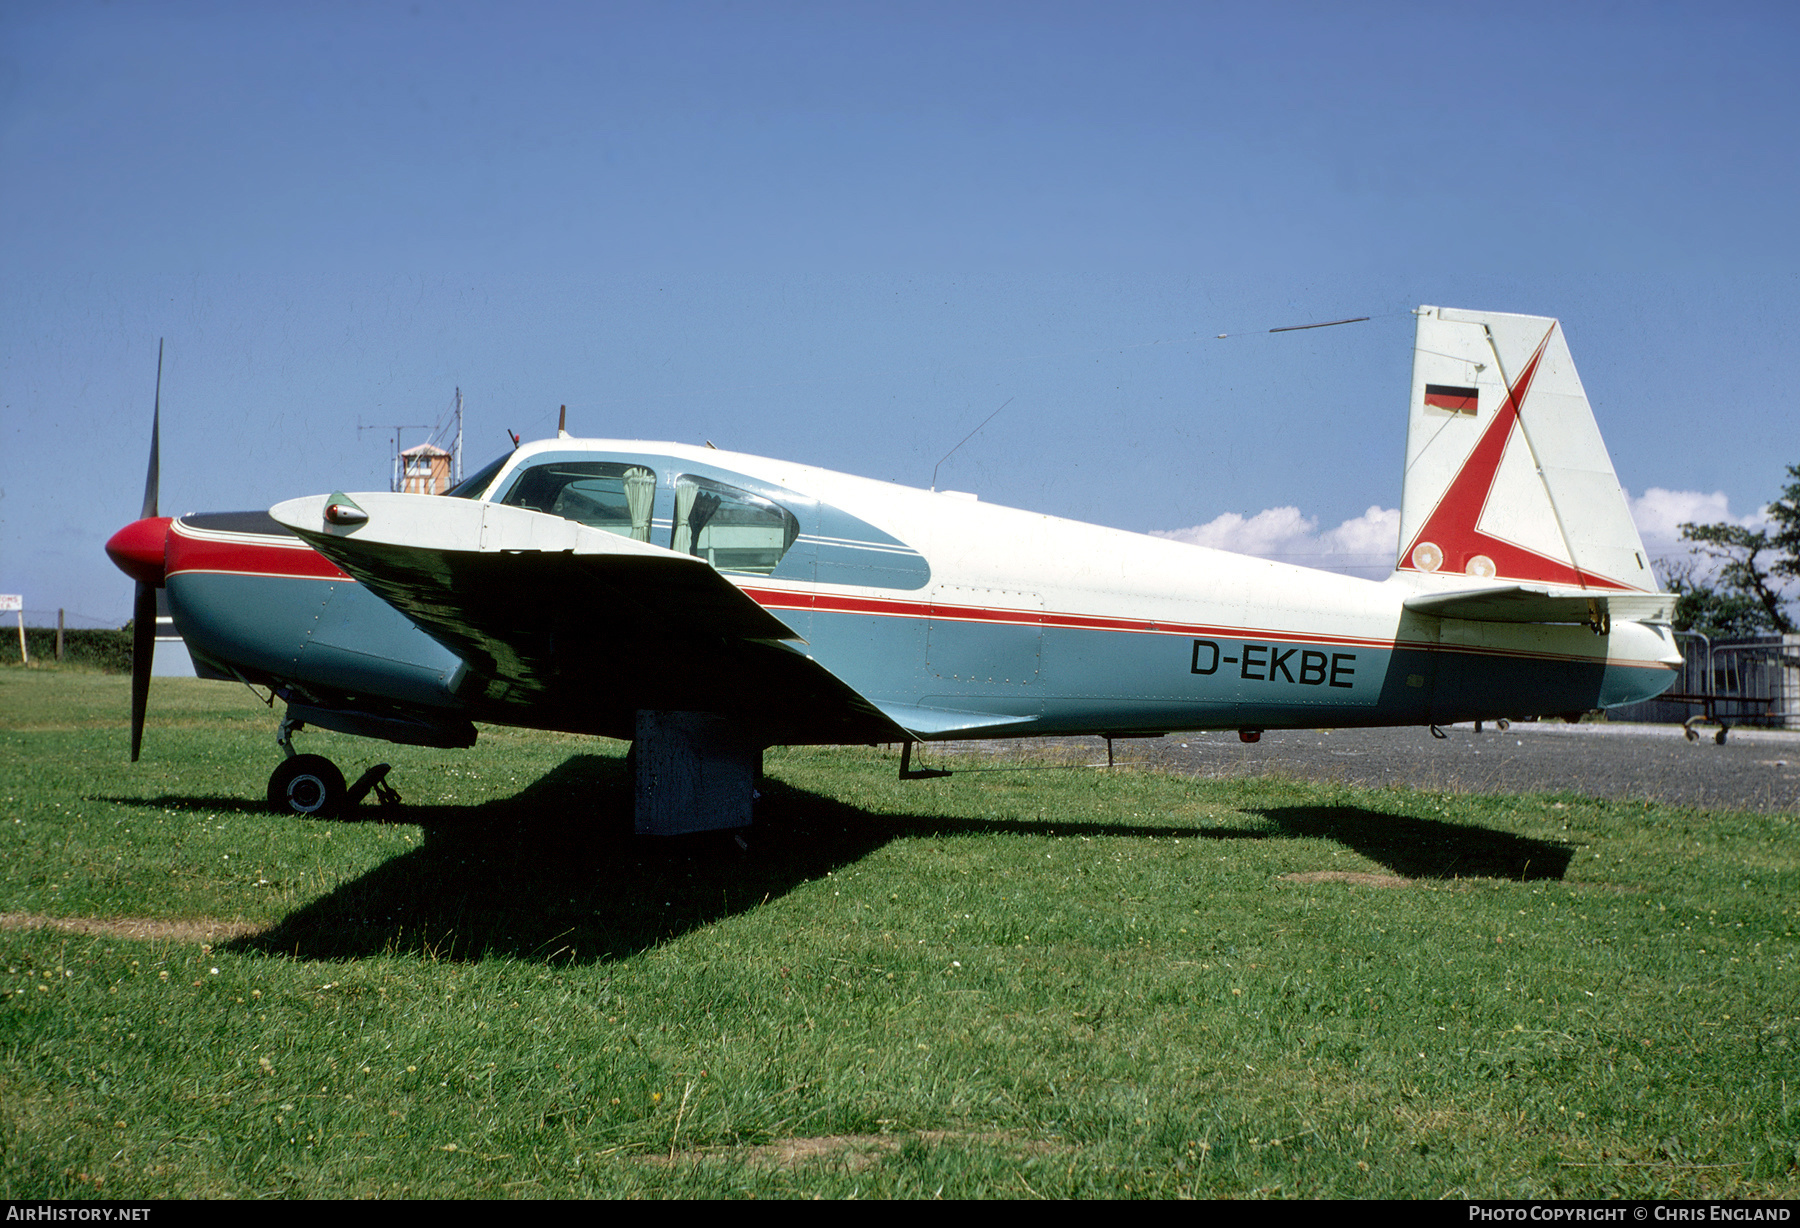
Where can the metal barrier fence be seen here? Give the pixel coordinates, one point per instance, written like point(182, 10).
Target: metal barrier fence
point(1741, 682)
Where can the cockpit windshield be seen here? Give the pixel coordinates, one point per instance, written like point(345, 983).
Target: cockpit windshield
point(475, 485)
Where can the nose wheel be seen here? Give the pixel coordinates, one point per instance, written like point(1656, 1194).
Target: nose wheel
point(307, 785)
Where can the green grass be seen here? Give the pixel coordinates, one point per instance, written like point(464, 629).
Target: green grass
point(1000, 984)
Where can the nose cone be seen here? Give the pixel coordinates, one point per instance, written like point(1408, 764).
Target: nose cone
point(138, 548)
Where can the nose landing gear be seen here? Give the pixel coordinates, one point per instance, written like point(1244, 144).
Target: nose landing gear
point(312, 787)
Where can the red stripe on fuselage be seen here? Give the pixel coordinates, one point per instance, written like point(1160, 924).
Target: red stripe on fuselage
point(239, 555)
point(844, 603)
point(288, 558)
point(887, 607)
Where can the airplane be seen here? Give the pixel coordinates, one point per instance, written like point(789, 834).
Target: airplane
point(706, 605)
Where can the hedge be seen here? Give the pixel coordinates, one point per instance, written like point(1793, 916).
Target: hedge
point(95, 649)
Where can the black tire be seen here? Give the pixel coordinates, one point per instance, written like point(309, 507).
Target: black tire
point(309, 786)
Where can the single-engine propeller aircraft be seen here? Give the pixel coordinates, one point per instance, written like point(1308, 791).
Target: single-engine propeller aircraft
point(707, 605)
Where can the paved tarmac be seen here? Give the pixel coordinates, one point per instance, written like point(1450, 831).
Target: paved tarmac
point(1752, 770)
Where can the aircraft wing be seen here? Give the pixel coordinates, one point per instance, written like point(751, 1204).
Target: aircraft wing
point(564, 626)
point(1520, 603)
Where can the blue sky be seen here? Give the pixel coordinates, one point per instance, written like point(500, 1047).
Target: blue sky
point(846, 233)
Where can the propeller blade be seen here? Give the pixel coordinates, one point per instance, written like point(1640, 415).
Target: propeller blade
point(143, 606)
point(143, 647)
point(152, 478)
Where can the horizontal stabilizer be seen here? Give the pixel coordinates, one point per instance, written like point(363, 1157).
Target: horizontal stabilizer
point(1517, 603)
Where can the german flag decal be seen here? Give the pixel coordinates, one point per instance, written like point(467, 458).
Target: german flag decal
point(1456, 400)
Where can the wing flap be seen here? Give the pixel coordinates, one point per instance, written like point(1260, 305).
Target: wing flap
point(925, 722)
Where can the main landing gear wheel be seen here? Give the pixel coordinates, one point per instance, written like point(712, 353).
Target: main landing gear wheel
point(307, 785)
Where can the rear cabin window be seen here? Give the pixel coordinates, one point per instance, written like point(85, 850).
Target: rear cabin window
point(600, 494)
point(732, 529)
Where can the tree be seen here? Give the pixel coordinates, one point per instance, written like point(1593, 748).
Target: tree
point(1785, 512)
point(1744, 597)
point(1713, 611)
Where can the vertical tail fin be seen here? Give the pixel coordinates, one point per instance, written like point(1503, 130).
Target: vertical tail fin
point(1506, 474)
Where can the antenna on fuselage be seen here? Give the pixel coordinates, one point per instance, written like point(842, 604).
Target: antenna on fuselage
point(966, 438)
point(1294, 328)
point(562, 423)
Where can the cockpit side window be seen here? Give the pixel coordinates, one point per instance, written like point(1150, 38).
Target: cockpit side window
point(600, 494)
point(732, 529)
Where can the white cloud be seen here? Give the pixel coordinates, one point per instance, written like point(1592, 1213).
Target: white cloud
point(1363, 546)
point(1661, 513)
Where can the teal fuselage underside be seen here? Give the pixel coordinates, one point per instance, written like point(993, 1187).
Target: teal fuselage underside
point(1069, 680)
point(333, 643)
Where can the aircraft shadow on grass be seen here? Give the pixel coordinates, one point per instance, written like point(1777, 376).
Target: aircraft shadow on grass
point(554, 874)
point(1425, 848)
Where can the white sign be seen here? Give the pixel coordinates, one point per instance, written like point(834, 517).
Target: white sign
point(10, 602)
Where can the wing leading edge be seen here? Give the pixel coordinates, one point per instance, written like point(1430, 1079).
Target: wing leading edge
point(564, 626)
